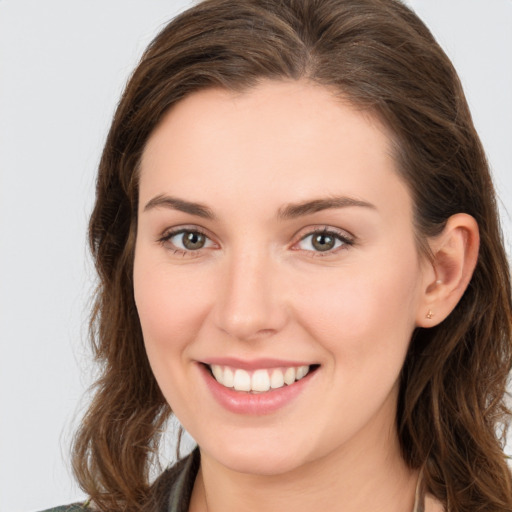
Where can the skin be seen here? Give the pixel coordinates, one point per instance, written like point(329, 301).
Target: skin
point(258, 288)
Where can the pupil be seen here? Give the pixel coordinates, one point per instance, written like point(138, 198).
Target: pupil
point(192, 240)
point(323, 242)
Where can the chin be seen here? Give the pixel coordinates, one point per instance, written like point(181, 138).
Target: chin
point(265, 458)
point(258, 462)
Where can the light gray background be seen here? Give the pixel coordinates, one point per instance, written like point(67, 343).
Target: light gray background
point(63, 64)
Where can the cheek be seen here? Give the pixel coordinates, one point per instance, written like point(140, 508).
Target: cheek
point(365, 311)
point(171, 310)
point(170, 305)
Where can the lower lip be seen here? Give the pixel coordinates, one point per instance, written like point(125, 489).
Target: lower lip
point(241, 402)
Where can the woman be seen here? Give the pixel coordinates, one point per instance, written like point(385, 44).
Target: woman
point(300, 256)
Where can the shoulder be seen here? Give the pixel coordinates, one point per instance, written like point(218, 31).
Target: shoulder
point(172, 489)
point(75, 507)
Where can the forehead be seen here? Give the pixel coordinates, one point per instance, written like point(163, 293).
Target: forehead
point(277, 142)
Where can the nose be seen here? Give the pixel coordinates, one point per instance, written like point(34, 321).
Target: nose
point(250, 304)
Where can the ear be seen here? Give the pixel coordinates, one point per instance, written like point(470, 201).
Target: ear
point(447, 275)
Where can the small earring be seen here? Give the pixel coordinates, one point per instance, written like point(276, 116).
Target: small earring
point(439, 281)
point(429, 315)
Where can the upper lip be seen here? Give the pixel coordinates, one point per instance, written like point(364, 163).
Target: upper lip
point(253, 364)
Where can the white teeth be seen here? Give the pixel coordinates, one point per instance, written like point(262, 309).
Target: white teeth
point(228, 378)
point(217, 372)
point(242, 380)
point(260, 380)
point(277, 379)
point(289, 376)
point(302, 371)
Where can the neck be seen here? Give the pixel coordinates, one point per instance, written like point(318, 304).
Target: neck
point(352, 478)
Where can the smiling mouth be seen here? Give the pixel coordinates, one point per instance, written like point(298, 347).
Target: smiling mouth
point(259, 380)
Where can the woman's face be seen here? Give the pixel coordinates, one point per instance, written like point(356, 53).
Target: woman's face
point(275, 238)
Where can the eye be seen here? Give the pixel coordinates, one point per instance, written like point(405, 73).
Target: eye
point(186, 240)
point(323, 241)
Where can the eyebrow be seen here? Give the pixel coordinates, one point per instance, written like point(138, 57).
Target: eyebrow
point(294, 210)
point(289, 211)
point(174, 203)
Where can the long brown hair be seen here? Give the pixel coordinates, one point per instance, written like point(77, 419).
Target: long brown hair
point(451, 415)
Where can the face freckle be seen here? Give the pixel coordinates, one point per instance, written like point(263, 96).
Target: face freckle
point(258, 175)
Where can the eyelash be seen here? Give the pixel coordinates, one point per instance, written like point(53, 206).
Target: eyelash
point(346, 241)
point(165, 241)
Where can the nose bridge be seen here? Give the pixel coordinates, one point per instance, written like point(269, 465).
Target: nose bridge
point(250, 305)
